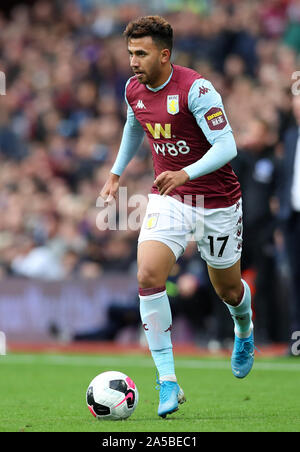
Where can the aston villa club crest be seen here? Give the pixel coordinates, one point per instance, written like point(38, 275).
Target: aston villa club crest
point(151, 220)
point(173, 104)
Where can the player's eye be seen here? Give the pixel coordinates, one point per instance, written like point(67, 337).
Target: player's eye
point(137, 54)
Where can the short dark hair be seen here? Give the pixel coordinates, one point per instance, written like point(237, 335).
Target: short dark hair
point(155, 26)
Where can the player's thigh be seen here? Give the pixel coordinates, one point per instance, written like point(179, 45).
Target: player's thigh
point(155, 260)
point(221, 247)
point(165, 222)
point(221, 243)
point(162, 240)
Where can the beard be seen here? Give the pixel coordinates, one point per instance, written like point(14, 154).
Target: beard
point(148, 78)
point(142, 78)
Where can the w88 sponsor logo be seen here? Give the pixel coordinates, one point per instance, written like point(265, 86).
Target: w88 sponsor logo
point(173, 149)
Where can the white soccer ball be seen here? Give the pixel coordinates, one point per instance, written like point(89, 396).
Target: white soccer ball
point(112, 395)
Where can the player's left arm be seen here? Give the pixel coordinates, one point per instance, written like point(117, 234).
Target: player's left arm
point(206, 105)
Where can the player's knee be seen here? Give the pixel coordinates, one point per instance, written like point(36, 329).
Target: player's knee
point(147, 277)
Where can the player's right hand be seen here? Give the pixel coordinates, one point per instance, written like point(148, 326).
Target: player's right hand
point(110, 189)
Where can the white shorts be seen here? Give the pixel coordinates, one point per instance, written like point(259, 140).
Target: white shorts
point(218, 232)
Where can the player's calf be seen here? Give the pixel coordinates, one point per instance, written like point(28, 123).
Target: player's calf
point(242, 313)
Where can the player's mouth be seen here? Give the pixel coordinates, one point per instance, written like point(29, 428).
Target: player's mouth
point(139, 74)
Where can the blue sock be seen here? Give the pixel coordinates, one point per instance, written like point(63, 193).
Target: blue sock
point(242, 314)
point(157, 323)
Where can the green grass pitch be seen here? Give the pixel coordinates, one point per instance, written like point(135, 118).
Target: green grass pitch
point(46, 393)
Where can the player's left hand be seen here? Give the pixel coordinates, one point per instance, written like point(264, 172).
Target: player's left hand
point(168, 180)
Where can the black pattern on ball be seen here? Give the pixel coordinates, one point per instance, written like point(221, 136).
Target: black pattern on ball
point(130, 400)
point(99, 409)
point(118, 385)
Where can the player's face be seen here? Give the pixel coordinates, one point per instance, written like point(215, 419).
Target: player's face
point(147, 60)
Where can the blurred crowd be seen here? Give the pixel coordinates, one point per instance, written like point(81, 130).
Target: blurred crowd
point(66, 65)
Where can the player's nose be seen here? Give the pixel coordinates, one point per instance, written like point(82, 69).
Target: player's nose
point(134, 63)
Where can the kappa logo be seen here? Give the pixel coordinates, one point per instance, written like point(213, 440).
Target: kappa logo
point(237, 206)
point(140, 104)
point(238, 317)
point(240, 220)
point(203, 90)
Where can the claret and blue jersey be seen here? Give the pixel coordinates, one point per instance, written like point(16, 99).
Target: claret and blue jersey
point(182, 120)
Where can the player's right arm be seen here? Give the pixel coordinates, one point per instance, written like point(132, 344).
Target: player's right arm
point(132, 138)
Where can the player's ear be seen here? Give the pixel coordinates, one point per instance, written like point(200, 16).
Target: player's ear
point(165, 55)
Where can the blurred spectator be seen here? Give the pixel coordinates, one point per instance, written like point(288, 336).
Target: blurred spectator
point(11, 147)
point(292, 31)
point(37, 262)
point(118, 318)
point(274, 16)
point(257, 168)
point(289, 214)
